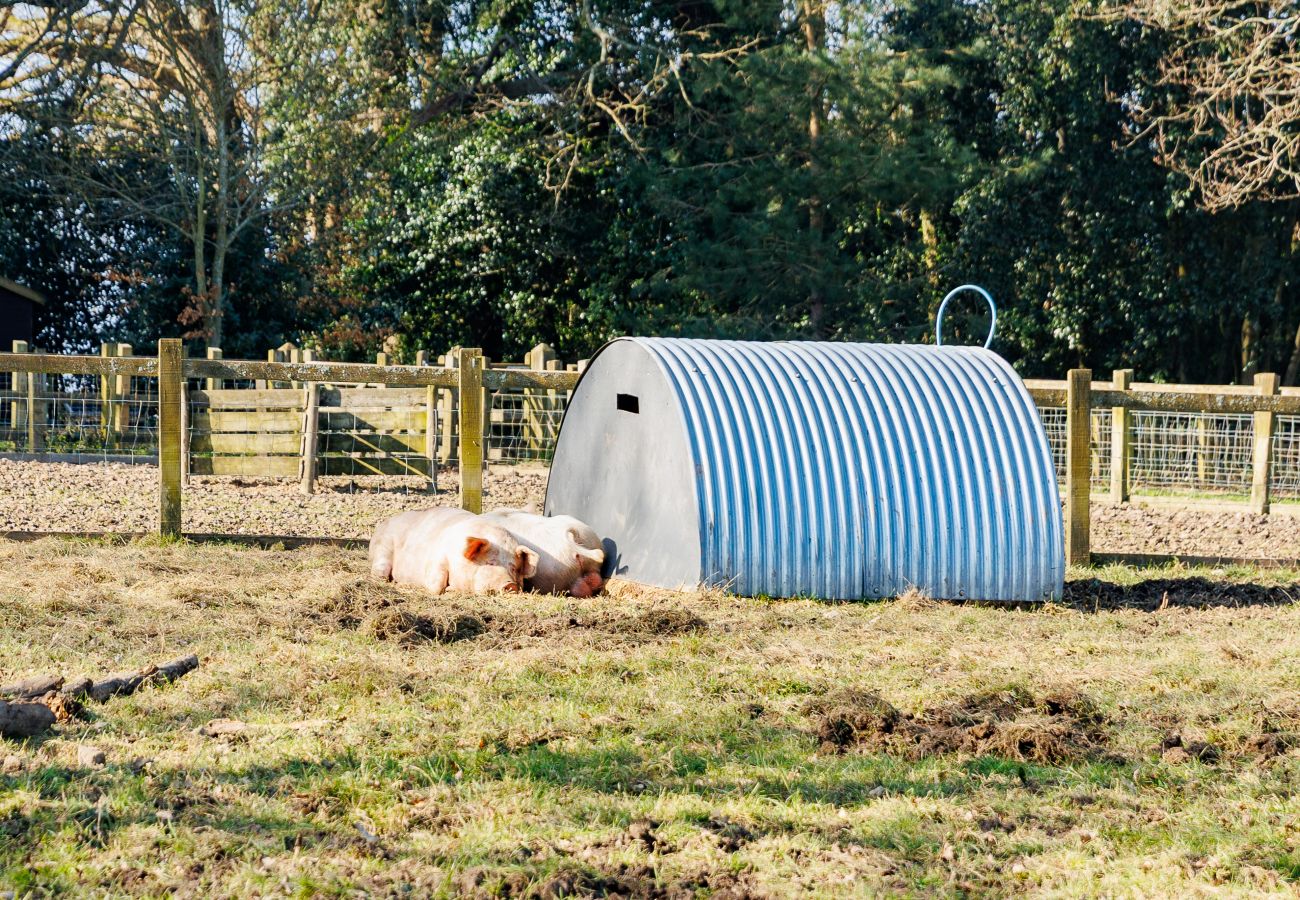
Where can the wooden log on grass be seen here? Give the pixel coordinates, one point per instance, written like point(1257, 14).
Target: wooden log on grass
point(24, 720)
point(123, 683)
point(29, 688)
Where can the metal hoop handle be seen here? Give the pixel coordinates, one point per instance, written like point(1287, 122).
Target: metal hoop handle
point(993, 311)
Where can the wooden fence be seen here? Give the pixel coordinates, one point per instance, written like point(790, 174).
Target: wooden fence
point(284, 428)
point(222, 419)
point(1264, 401)
point(306, 418)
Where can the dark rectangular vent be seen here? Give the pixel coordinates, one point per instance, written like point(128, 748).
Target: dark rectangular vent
point(629, 403)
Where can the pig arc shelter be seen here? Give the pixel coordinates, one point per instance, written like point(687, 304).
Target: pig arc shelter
point(830, 470)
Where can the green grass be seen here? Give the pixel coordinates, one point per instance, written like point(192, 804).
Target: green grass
point(523, 757)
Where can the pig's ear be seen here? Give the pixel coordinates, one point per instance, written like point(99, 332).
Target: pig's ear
point(475, 547)
point(527, 560)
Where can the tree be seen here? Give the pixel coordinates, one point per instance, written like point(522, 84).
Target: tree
point(1230, 100)
point(187, 90)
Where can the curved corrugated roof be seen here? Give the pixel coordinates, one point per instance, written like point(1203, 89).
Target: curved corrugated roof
point(858, 470)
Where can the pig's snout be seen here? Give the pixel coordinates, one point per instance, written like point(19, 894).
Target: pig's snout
point(511, 587)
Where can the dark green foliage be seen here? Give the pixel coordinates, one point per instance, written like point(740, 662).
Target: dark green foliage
point(709, 168)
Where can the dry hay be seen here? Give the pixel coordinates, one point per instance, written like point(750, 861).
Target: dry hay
point(1011, 724)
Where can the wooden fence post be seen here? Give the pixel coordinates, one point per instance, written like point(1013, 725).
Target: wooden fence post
point(310, 430)
point(470, 391)
point(431, 435)
point(18, 384)
point(108, 399)
point(170, 398)
point(185, 431)
point(1266, 383)
point(1078, 466)
point(122, 415)
point(551, 428)
point(284, 353)
point(446, 412)
point(430, 424)
point(36, 417)
point(487, 418)
point(1120, 421)
point(262, 384)
point(213, 384)
point(539, 359)
point(1202, 450)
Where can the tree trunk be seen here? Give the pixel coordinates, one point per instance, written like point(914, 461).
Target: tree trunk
point(930, 243)
point(1249, 348)
point(1293, 364)
point(199, 237)
point(221, 241)
point(814, 33)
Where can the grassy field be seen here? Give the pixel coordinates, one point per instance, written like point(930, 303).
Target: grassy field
point(1135, 740)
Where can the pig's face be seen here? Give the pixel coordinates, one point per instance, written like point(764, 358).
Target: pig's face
point(492, 561)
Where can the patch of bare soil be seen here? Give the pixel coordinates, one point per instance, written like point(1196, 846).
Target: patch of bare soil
point(656, 622)
point(621, 881)
point(355, 601)
point(1193, 531)
point(1164, 593)
point(1011, 724)
point(408, 628)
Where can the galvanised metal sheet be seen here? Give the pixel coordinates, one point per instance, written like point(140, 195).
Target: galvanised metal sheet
point(845, 470)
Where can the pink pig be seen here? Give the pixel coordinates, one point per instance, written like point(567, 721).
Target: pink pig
point(441, 549)
point(569, 552)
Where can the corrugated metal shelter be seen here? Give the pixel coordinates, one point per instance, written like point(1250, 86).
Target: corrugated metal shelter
point(831, 470)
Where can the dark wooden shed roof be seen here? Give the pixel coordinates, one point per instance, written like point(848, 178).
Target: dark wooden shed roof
point(17, 289)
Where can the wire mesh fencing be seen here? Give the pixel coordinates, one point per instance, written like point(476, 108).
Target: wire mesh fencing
point(1284, 481)
point(1054, 424)
point(51, 425)
point(79, 417)
point(524, 425)
point(1208, 453)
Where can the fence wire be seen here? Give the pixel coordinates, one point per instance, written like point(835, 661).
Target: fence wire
point(1053, 419)
point(1285, 475)
point(1188, 452)
point(79, 416)
point(524, 425)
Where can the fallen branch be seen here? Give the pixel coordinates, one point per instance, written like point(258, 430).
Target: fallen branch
point(123, 683)
point(30, 688)
point(35, 703)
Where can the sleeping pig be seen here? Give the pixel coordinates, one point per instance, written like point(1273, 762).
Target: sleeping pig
point(441, 549)
point(569, 553)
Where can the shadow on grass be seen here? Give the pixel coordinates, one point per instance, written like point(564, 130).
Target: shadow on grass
point(1096, 595)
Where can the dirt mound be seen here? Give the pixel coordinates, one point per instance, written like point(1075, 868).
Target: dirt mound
point(659, 621)
point(1164, 593)
point(408, 628)
point(1012, 724)
point(1176, 749)
point(663, 620)
point(354, 600)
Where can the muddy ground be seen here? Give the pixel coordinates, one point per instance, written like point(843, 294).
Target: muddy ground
point(65, 497)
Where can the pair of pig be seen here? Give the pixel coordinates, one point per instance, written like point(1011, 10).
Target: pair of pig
point(504, 550)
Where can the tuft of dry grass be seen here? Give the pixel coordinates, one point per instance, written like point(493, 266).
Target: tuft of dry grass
point(345, 737)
